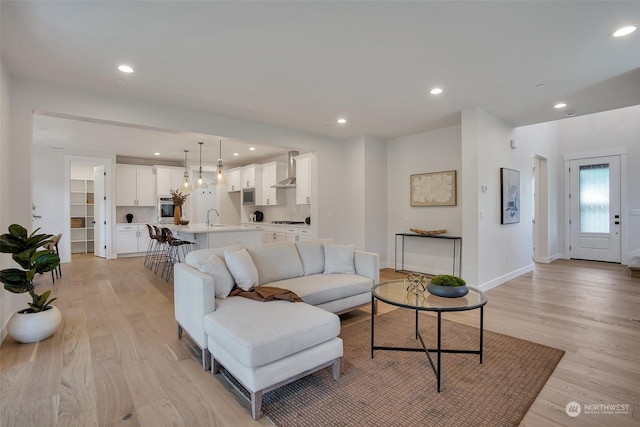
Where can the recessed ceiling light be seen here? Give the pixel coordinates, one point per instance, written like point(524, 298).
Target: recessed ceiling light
point(236, 154)
point(156, 154)
point(342, 121)
point(436, 91)
point(125, 68)
point(560, 105)
point(624, 31)
point(252, 148)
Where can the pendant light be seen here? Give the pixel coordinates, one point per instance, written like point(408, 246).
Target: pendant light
point(186, 183)
point(200, 183)
point(220, 177)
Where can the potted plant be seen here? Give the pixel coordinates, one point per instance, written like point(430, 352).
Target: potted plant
point(40, 320)
point(178, 200)
point(445, 285)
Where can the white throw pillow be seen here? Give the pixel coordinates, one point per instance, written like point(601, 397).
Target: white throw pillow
point(338, 259)
point(242, 269)
point(222, 279)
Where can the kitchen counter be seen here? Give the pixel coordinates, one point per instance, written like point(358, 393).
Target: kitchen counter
point(204, 228)
point(217, 235)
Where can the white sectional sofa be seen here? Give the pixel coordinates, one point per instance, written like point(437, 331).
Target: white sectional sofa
point(267, 344)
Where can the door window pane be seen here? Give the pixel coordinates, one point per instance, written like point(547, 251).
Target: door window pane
point(594, 198)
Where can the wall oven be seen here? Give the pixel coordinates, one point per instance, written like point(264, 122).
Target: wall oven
point(166, 209)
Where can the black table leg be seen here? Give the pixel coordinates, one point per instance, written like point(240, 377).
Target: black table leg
point(372, 322)
point(438, 371)
point(481, 330)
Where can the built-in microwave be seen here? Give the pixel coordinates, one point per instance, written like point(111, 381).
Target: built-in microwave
point(166, 209)
point(248, 196)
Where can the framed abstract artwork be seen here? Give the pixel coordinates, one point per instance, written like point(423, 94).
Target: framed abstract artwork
point(509, 196)
point(434, 189)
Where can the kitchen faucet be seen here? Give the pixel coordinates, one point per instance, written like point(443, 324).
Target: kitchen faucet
point(208, 212)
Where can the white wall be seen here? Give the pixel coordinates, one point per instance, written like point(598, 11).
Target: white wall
point(503, 251)
point(541, 140)
point(355, 185)
point(601, 132)
point(375, 203)
point(433, 151)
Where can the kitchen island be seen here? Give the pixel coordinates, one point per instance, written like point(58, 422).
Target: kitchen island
point(217, 235)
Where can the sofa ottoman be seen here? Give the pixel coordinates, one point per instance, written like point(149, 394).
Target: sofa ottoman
point(297, 339)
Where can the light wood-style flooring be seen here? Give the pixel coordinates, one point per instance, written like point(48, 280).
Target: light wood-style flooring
point(116, 360)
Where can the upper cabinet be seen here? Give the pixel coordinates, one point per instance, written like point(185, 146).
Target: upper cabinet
point(303, 178)
point(272, 173)
point(251, 176)
point(167, 179)
point(234, 180)
point(135, 185)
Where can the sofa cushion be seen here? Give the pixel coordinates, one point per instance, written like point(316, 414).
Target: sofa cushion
point(195, 258)
point(321, 288)
point(291, 327)
point(338, 259)
point(222, 280)
point(311, 255)
point(242, 269)
point(276, 261)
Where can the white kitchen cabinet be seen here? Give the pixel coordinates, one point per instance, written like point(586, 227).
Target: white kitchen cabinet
point(167, 179)
point(251, 176)
point(132, 238)
point(274, 233)
point(303, 179)
point(272, 173)
point(135, 186)
point(234, 180)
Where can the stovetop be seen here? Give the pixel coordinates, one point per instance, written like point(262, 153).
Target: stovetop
point(287, 222)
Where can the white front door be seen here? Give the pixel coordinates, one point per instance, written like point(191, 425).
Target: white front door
point(100, 213)
point(595, 209)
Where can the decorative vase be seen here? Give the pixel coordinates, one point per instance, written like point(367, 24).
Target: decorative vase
point(448, 291)
point(33, 327)
point(177, 214)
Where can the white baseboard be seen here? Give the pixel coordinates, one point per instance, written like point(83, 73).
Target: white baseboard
point(505, 278)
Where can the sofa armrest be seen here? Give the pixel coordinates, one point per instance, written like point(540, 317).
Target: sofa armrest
point(194, 296)
point(367, 264)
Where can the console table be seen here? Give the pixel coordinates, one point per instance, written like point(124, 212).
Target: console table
point(457, 250)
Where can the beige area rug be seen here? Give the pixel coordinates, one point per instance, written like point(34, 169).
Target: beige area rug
point(399, 388)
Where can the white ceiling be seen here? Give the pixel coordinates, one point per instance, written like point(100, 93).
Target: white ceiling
point(304, 64)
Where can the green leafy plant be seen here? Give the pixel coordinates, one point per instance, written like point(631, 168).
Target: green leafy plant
point(25, 250)
point(447, 280)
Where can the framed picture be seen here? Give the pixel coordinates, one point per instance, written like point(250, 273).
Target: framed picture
point(434, 189)
point(509, 196)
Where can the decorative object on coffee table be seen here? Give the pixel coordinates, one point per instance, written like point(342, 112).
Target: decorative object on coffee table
point(445, 285)
point(416, 283)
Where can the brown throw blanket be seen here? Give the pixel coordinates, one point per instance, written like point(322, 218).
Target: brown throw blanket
point(266, 293)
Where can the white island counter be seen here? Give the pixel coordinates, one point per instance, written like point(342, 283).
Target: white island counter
point(217, 235)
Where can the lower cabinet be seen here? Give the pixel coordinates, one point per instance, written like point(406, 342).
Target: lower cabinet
point(132, 238)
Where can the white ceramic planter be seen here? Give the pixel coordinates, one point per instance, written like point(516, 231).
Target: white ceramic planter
point(33, 327)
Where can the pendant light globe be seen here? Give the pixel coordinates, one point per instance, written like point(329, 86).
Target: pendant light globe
point(200, 182)
point(186, 182)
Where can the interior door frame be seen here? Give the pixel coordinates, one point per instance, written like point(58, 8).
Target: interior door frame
point(619, 151)
point(110, 208)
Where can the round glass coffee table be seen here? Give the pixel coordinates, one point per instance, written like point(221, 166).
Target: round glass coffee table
point(395, 293)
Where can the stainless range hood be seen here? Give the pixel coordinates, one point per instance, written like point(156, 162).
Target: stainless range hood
point(290, 180)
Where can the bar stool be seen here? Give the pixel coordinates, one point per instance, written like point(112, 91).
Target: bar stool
point(173, 252)
point(53, 245)
point(150, 248)
point(160, 248)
